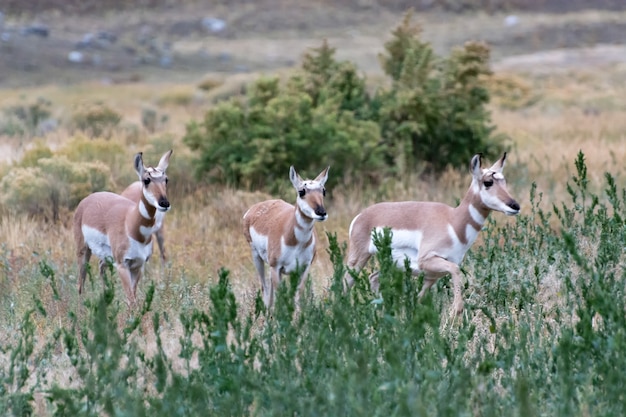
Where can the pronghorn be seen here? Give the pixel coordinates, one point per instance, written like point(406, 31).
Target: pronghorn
point(433, 236)
point(134, 192)
point(283, 236)
point(112, 226)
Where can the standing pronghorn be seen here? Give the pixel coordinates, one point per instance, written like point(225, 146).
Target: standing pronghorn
point(433, 236)
point(134, 192)
point(110, 225)
point(283, 236)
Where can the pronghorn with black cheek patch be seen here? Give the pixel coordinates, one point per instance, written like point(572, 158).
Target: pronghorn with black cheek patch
point(283, 236)
point(433, 236)
point(111, 226)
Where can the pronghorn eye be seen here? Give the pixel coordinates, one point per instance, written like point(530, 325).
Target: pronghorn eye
point(488, 183)
point(167, 180)
point(146, 181)
point(324, 192)
point(302, 192)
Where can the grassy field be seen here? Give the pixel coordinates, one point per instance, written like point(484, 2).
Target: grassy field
point(543, 333)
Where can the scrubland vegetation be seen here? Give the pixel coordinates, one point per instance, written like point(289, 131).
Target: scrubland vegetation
point(544, 328)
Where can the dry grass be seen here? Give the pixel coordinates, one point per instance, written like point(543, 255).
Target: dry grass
point(573, 109)
point(204, 232)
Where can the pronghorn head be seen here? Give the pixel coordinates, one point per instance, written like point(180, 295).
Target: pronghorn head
point(311, 194)
point(490, 186)
point(154, 181)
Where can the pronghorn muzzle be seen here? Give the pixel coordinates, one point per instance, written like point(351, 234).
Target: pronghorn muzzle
point(164, 204)
point(320, 211)
point(513, 205)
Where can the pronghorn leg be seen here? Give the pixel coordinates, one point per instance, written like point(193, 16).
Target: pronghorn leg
point(83, 259)
point(435, 267)
point(355, 263)
point(301, 286)
point(428, 282)
point(127, 283)
point(135, 276)
point(260, 268)
point(348, 282)
point(374, 282)
point(102, 266)
point(274, 283)
point(159, 239)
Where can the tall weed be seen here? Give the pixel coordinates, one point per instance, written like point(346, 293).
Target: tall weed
point(523, 347)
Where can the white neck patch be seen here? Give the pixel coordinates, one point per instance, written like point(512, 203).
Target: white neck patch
point(143, 211)
point(476, 216)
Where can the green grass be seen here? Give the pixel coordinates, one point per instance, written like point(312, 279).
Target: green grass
point(544, 333)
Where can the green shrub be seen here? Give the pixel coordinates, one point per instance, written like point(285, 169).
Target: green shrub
point(35, 153)
point(96, 120)
point(308, 123)
point(111, 153)
point(433, 115)
point(523, 347)
point(52, 185)
point(22, 120)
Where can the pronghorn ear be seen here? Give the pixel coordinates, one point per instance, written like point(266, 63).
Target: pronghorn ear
point(323, 176)
point(497, 167)
point(295, 178)
point(165, 161)
point(139, 168)
point(475, 166)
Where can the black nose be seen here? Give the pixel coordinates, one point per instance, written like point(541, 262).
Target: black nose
point(164, 202)
point(514, 205)
point(320, 211)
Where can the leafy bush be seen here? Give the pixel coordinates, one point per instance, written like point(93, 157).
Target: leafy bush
point(51, 185)
point(525, 346)
point(111, 153)
point(35, 153)
point(24, 120)
point(151, 120)
point(96, 120)
point(309, 123)
point(433, 115)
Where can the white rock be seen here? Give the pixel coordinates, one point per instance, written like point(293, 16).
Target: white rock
point(76, 57)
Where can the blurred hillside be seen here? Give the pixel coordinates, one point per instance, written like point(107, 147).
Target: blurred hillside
point(117, 41)
point(91, 6)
